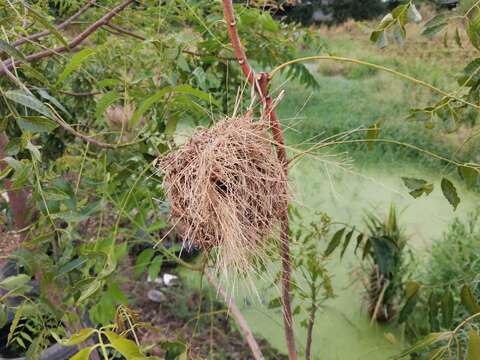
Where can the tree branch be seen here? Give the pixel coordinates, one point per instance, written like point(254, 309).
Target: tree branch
point(261, 86)
point(237, 314)
point(235, 40)
point(75, 42)
point(61, 26)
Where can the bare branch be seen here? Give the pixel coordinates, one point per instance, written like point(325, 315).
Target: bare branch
point(75, 42)
point(237, 314)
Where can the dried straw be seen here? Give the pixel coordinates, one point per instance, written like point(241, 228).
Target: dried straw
point(226, 190)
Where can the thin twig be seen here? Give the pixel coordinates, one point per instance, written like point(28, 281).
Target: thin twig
point(237, 314)
point(72, 44)
point(61, 26)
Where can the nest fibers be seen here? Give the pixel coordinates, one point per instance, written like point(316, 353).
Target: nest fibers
point(227, 190)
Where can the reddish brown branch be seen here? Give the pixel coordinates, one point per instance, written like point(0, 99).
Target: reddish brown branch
point(75, 42)
point(61, 26)
point(237, 314)
point(235, 40)
point(277, 135)
point(261, 86)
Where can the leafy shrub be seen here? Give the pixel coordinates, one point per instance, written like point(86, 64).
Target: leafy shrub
point(450, 280)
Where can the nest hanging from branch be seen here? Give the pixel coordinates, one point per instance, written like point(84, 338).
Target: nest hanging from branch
point(227, 190)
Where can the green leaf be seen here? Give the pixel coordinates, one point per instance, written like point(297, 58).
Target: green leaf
point(83, 354)
point(411, 293)
point(147, 104)
point(424, 343)
point(372, 134)
point(15, 281)
point(450, 193)
point(91, 289)
point(16, 319)
point(473, 345)
point(10, 50)
point(336, 239)
point(142, 261)
point(107, 99)
point(448, 305)
point(418, 187)
point(379, 38)
point(468, 300)
point(70, 266)
point(458, 39)
point(348, 237)
point(74, 64)
point(275, 303)
point(37, 15)
point(45, 95)
point(27, 100)
point(154, 267)
point(469, 175)
point(124, 346)
point(3, 315)
point(36, 124)
point(435, 25)
point(79, 337)
point(472, 33)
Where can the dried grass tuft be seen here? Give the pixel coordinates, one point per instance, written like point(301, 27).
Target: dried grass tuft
point(226, 190)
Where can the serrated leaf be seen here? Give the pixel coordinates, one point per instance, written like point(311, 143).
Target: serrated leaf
point(14, 324)
point(334, 242)
point(468, 300)
point(450, 193)
point(79, 337)
point(10, 50)
point(105, 101)
point(473, 345)
point(27, 100)
point(147, 104)
point(74, 64)
point(45, 95)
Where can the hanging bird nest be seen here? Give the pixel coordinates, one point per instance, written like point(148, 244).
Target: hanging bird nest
point(227, 190)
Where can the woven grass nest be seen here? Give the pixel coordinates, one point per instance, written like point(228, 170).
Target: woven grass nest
point(226, 189)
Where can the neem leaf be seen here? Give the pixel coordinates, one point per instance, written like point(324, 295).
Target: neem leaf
point(79, 337)
point(27, 100)
point(450, 193)
point(74, 64)
point(469, 175)
point(336, 238)
point(417, 187)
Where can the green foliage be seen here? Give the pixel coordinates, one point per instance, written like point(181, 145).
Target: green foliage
point(449, 293)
